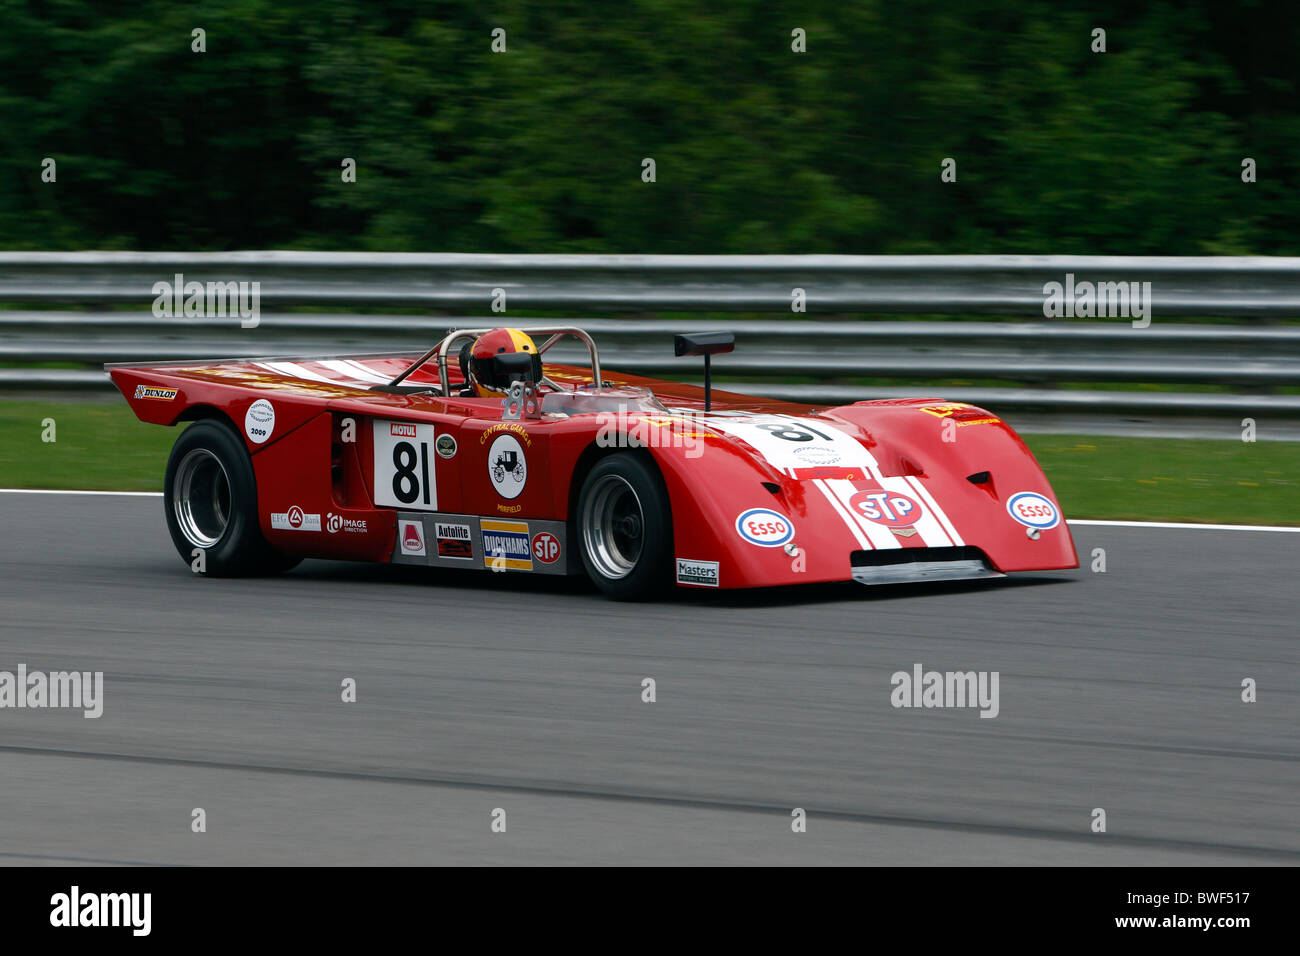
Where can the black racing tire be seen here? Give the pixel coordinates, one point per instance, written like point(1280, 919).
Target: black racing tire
point(210, 503)
point(624, 527)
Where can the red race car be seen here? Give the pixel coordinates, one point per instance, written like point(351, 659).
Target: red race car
point(476, 455)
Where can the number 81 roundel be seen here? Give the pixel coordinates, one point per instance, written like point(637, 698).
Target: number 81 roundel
point(404, 466)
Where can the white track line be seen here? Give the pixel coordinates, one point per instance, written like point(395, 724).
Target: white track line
point(1176, 524)
point(58, 491)
point(1078, 521)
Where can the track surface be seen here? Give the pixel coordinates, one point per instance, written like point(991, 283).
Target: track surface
point(477, 691)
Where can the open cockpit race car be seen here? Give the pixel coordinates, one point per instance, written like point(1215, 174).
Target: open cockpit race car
point(477, 455)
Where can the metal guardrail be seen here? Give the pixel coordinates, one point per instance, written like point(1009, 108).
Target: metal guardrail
point(1006, 285)
point(1022, 364)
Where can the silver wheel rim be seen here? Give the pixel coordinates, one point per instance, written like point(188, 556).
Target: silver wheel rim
point(613, 527)
point(202, 498)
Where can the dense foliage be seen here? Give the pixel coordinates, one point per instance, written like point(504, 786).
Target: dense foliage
point(758, 149)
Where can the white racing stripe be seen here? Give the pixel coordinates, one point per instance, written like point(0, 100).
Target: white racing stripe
point(294, 370)
point(354, 370)
point(929, 526)
point(845, 516)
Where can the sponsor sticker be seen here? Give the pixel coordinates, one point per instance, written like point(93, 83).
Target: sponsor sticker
point(445, 446)
point(961, 413)
point(546, 547)
point(893, 509)
point(411, 536)
point(454, 540)
point(403, 467)
point(336, 523)
point(506, 544)
point(507, 466)
point(1033, 510)
point(153, 391)
point(295, 519)
point(700, 573)
point(816, 456)
point(764, 527)
point(259, 422)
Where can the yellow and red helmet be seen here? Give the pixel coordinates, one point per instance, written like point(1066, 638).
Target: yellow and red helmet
point(481, 370)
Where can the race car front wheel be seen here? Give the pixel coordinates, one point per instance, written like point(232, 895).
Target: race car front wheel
point(625, 527)
point(210, 502)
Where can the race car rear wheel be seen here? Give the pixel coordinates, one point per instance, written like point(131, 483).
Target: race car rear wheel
point(625, 527)
point(210, 502)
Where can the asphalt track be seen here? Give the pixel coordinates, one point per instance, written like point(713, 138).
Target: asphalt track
point(477, 691)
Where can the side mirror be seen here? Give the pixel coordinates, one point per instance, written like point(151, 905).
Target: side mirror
point(707, 344)
point(703, 343)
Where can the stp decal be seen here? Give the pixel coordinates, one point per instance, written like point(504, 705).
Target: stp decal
point(507, 466)
point(259, 421)
point(1033, 510)
point(546, 547)
point(404, 472)
point(893, 509)
point(765, 528)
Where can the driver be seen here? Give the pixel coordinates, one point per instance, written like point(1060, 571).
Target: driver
point(482, 379)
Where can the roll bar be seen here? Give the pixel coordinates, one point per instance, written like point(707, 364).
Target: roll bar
point(556, 332)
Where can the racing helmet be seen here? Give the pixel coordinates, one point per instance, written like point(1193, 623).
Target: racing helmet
point(480, 368)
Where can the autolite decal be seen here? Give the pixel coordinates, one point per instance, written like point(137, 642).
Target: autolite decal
point(454, 540)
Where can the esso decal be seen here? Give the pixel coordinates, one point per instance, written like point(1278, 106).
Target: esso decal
point(259, 421)
point(765, 528)
point(546, 547)
point(1033, 510)
point(893, 509)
